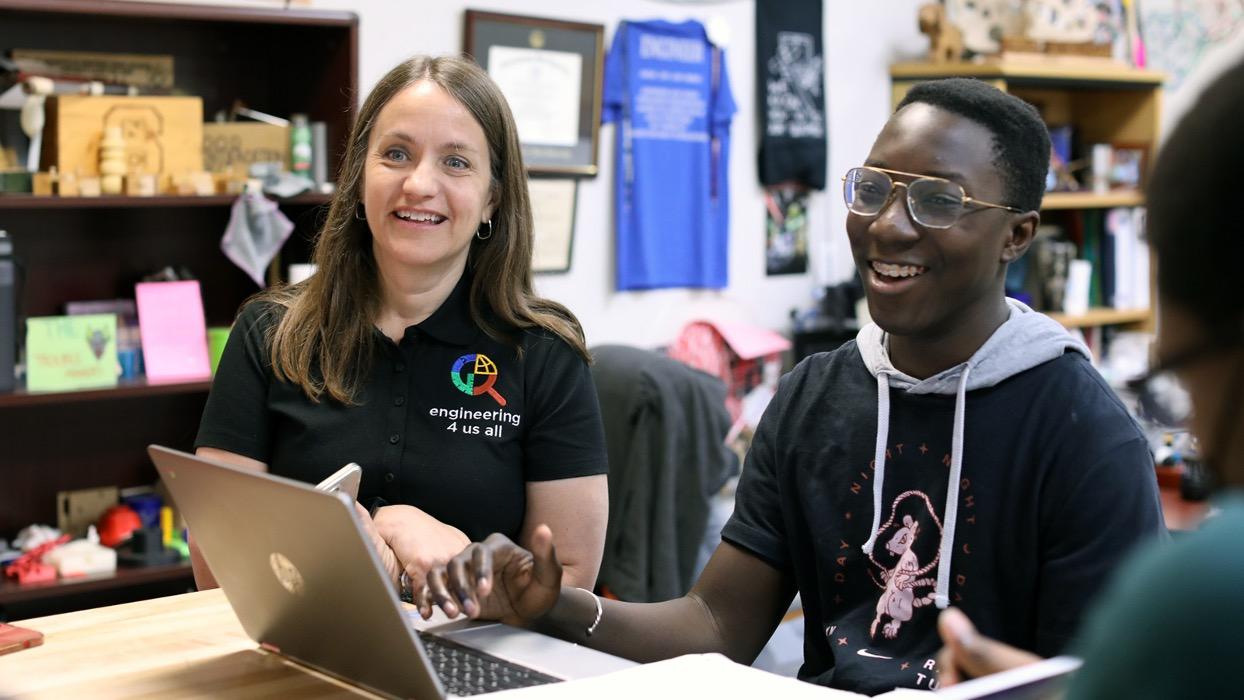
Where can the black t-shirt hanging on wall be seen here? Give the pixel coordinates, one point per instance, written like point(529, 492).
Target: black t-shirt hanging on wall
point(790, 85)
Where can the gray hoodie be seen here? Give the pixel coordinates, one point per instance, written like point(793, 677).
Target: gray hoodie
point(1027, 339)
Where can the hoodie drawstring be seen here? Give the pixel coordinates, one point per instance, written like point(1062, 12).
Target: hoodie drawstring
point(941, 595)
point(883, 434)
point(946, 550)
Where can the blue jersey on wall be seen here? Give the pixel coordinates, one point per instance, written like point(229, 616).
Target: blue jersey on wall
point(667, 92)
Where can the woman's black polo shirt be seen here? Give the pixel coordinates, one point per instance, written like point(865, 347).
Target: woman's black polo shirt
point(449, 419)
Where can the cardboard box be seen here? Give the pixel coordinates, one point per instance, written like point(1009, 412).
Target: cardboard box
point(163, 135)
point(241, 143)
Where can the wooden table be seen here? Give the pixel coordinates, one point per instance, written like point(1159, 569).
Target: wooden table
point(181, 646)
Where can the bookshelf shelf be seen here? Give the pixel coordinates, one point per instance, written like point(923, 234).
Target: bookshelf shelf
point(12, 592)
point(1089, 200)
point(30, 201)
point(125, 390)
point(1062, 72)
point(1103, 317)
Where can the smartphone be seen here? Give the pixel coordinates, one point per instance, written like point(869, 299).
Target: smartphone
point(14, 638)
point(345, 480)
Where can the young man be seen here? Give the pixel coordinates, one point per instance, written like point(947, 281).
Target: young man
point(961, 451)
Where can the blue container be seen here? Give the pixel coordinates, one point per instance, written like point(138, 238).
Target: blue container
point(147, 505)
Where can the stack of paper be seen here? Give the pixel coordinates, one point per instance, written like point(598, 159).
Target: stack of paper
point(692, 676)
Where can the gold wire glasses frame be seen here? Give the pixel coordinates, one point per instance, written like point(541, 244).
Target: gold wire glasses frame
point(915, 208)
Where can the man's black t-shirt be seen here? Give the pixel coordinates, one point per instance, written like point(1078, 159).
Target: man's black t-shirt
point(448, 420)
point(1057, 484)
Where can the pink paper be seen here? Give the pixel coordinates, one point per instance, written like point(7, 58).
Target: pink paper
point(170, 316)
point(748, 341)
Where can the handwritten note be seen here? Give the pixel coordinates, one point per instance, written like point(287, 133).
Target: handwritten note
point(170, 315)
point(71, 352)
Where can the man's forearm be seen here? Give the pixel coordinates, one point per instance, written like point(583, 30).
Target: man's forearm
point(641, 632)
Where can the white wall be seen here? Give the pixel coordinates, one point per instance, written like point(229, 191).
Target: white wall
point(861, 39)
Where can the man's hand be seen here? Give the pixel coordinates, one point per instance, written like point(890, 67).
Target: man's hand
point(392, 568)
point(419, 541)
point(496, 580)
point(967, 654)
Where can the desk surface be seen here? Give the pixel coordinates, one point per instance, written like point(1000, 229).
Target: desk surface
point(176, 647)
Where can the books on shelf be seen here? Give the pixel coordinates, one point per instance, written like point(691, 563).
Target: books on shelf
point(1110, 245)
point(1125, 278)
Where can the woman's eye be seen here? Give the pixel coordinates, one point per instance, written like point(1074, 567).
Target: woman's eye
point(395, 154)
point(456, 162)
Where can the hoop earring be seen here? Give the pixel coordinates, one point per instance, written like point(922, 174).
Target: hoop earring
point(481, 237)
point(359, 212)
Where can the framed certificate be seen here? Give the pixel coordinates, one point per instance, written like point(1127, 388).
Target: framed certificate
point(552, 212)
point(550, 72)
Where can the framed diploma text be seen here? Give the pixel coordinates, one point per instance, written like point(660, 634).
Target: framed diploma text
point(550, 72)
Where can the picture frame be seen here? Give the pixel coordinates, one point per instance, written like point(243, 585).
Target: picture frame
point(1128, 162)
point(551, 72)
point(554, 203)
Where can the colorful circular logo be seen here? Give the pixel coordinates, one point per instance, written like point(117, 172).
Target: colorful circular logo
point(474, 375)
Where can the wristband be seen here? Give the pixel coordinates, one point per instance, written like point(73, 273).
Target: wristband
point(600, 611)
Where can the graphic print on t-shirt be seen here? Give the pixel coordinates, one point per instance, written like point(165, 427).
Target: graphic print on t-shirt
point(879, 615)
point(906, 585)
point(474, 374)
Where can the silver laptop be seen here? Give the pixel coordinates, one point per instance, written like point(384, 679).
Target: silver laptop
point(306, 583)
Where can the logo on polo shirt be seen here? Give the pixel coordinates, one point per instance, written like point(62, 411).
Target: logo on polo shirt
point(474, 375)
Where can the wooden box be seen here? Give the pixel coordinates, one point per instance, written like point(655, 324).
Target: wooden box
point(163, 135)
point(233, 144)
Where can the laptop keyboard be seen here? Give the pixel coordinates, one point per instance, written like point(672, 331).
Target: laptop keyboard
point(467, 671)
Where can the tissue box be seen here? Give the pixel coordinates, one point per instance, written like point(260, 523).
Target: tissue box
point(163, 135)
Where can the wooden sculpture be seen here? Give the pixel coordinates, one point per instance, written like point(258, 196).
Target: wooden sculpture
point(945, 39)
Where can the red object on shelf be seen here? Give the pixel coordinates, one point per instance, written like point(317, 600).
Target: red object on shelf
point(1169, 477)
point(117, 524)
point(29, 567)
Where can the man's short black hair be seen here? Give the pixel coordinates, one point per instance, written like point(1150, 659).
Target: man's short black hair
point(1193, 195)
point(1021, 141)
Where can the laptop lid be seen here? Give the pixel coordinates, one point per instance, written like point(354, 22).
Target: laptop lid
point(299, 572)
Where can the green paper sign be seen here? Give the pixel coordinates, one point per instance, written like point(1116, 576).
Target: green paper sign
point(216, 339)
point(71, 352)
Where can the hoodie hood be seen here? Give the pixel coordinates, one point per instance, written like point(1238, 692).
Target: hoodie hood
point(1026, 339)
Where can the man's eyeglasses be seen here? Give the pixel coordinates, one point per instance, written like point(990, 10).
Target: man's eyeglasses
point(933, 202)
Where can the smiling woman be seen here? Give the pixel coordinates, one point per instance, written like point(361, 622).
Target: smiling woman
point(420, 326)
point(428, 193)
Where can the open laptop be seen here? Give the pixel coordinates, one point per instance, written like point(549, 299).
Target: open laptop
point(306, 583)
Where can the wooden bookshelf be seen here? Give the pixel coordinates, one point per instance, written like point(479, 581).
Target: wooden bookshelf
point(131, 389)
point(1103, 317)
point(30, 201)
point(12, 592)
point(1069, 71)
point(278, 60)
